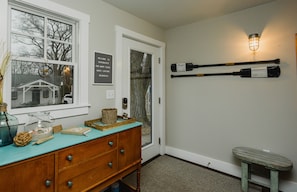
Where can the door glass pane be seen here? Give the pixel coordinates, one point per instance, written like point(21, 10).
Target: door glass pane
point(141, 92)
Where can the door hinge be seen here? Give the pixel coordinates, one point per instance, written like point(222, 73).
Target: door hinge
point(159, 100)
point(159, 60)
point(159, 141)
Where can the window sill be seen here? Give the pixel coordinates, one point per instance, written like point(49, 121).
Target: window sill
point(57, 113)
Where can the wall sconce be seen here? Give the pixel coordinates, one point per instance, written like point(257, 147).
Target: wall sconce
point(254, 41)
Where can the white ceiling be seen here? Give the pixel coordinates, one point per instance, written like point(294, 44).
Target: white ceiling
point(173, 13)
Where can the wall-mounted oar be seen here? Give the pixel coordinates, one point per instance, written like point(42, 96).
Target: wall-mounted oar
point(269, 72)
point(182, 67)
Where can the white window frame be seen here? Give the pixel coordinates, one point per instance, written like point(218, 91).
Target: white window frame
point(81, 104)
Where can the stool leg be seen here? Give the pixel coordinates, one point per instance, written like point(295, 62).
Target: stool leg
point(244, 176)
point(273, 181)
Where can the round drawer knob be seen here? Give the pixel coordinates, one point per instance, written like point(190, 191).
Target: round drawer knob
point(122, 151)
point(48, 183)
point(110, 164)
point(110, 143)
point(69, 184)
point(69, 157)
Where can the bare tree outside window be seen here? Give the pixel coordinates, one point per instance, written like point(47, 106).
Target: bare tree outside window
point(42, 50)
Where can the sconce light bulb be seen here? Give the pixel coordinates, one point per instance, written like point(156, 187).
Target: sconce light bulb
point(254, 41)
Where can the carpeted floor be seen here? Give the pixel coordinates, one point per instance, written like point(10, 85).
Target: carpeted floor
point(169, 174)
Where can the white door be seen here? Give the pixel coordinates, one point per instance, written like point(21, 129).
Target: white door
point(140, 89)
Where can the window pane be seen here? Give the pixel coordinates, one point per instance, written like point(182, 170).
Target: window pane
point(60, 43)
point(24, 46)
point(31, 79)
point(14, 95)
point(59, 51)
point(45, 93)
point(27, 23)
point(59, 31)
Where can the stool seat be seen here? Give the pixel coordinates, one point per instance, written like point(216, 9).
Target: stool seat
point(266, 159)
point(271, 161)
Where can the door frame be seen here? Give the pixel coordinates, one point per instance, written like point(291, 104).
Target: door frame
point(122, 33)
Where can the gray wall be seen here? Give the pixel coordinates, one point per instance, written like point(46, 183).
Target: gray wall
point(211, 115)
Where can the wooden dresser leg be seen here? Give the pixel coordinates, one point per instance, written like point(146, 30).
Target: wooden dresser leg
point(273, 181)
point(138, 179)
point(244, 176)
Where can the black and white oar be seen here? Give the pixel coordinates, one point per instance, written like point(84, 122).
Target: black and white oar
point(182, 67)
point(265, 72)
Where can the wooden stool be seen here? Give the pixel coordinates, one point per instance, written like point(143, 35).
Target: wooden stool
point(271, 161)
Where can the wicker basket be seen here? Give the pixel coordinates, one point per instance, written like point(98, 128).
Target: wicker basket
point(109, 115)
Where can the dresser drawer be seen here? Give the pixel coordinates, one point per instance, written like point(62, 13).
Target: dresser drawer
point(130, 152)
point(35, 174)
point(86, 151)
point(84, 175)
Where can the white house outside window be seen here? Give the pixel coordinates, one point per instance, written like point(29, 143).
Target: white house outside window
point(46, 64)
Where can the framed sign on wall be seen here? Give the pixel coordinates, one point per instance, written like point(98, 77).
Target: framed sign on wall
point(102, 69)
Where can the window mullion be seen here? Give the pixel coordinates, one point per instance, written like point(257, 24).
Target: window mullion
point(45, 38)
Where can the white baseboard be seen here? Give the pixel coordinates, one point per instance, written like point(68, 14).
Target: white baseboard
point(224, 167)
